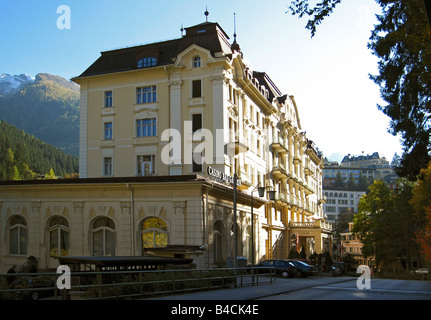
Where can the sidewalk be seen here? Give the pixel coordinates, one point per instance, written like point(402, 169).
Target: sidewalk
point(253, 292)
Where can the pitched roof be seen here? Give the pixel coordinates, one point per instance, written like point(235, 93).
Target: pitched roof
point(207, 35)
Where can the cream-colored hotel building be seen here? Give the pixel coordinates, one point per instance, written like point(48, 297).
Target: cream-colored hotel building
point(164, 129)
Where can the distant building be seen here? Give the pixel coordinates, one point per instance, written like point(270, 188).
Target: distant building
point(340, 201)
point(362, 169)
point(364, 161)
point(350, 244)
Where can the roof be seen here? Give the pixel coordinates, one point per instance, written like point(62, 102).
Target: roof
point(207, 35)
point(104, 180)
point(264, 80)
point(122, 260)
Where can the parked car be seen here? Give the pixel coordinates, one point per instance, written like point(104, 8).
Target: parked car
point(33, 288)
point(340, 266)
point(335, 271)
point(284, 268)
point(423, 271)
point(303, 269)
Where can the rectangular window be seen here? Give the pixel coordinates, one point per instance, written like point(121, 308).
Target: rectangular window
point(107, 166)
point(108, 99)
point(196, 88)
point(108, 130)
point(146, 165)
point(196, 122)
point(146, 95)
point(146, 128)
point(197, 163)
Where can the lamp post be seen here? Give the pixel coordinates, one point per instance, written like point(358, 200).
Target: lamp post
point(261, 192)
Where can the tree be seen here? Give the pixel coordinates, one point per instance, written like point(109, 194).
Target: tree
point(402, 42)
point(421, 202)
point(385, 223)
point(8, 168)
point(351, 184)
point(50, 174)
point(424, 236)
point(339, 182)
point(371, 208)
point(321, 10)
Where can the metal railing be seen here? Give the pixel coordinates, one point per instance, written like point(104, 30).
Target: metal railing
point(136, 284)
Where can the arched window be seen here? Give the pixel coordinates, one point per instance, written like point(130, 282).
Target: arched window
point(18, 236)
point(154, 233)
point(196, 62)
point(103, 232)
point(58, 229)
point(147, 62)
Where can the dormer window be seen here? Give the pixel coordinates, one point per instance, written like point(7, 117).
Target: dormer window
point(147, 62)
point(196, 62)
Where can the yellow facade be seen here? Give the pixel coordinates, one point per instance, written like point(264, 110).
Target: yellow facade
point(232, 117)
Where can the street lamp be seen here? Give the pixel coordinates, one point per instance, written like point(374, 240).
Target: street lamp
point(261, 192)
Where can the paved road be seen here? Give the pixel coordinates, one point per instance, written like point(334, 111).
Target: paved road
point(380, 289)
point(318, 288)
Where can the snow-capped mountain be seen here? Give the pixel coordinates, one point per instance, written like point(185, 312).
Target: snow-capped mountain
point(9, 84)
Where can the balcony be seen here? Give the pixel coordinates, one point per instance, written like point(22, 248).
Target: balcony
point(245, 182)
point(279, 171)
point(280, 198)
point(293, 201)
point(322, 200)
point(307, 170)
point(296, 160)
point(317, 224)
point(279, 145)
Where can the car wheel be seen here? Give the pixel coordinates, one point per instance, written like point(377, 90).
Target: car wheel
point(285, 274)
point(35, 295)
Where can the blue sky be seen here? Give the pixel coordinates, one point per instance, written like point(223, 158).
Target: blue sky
point(327, 74)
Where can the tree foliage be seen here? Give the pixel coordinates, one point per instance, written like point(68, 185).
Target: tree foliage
point(421, 202)
point(23, 157)
point(402, 42)
point(318, 13)
point(385, 223)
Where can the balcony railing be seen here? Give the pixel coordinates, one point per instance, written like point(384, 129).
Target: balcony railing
point(323, 225)
point(278, 143)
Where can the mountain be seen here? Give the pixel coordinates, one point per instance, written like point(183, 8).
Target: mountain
point(336, 157)
point(46, 107)
point(24, 157)
point(9, 85)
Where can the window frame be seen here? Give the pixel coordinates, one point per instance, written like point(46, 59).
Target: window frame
point(107, 231)
point(146, 94)
point(197, 122)
point(108, 167)
point(108, 99)
point(108, 130)
point(197, 62)
point(146, 129)
point(146, 62)
point(154, 230)
point(140, 170)
point(197, 90)
point(197, 167)
point(60, 229)
point(20, 238)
